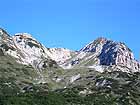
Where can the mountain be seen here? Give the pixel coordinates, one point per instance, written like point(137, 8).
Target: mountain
point(104, 52)
point(101, 51)
point(103, 72)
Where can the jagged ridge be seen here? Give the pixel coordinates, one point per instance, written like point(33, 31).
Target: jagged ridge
point(101, 51)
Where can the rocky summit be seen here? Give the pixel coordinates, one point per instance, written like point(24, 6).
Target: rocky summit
point(104, 52)
point(104, 72)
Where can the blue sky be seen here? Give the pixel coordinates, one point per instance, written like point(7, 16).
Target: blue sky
point(74, 23)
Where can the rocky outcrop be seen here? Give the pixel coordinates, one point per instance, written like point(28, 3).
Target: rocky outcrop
point(126, 58)
point(60, 55)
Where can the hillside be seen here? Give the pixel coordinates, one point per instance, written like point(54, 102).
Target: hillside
point(104, 72)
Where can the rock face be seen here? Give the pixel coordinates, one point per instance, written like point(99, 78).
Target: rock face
point(60, 55)
point(31, 51)
point(118, 54)
point(125, 58)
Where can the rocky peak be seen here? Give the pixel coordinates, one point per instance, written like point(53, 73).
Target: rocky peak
point(92, 47)
point(25, 40)
point(24, 48)
point(116, 53)
point(27, 50)
point(109, 53)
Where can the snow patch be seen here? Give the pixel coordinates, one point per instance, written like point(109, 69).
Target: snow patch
point(97, 68)
point(73, 78)
point(83, 92)
point(58, 79)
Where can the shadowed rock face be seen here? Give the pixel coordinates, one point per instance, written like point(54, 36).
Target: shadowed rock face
point(5, 41)
point(108, 53)
point(3, 34)
point(114, 53)
point(1, 52)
